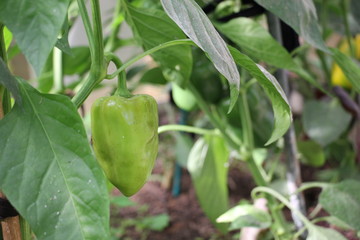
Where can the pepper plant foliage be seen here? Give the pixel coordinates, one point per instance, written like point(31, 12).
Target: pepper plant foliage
point(47, 167)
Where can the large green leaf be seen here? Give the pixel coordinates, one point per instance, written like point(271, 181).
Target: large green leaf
point(197, 26)
point(349, 67)
point(153, 27)
point(256, 42)
point(342, 200)
point(320, 233)
point(208, 169)
point(324, 122)
point(48, 171)
point(35, 25)
point(281, 107)
point(300, 15)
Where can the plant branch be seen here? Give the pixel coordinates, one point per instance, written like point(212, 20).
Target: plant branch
point(344, 6)
point(87, 25)
point(122, 89)
point(234, 143)
point(148, 52)
point(184, 128)
point(115, 25)
point(283, 200)
point(57, 68)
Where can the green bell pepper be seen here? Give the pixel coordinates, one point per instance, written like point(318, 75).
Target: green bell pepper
point(125, 139)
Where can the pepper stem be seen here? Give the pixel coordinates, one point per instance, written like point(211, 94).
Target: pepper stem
point(122, 89)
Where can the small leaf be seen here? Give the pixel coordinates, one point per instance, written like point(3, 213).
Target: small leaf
point(176, 61)
point(35, 25)
point(210, 177)
point(256, 42)
point(184, 144)
point(197, 157)
point(156, 223)
point(342, 200)
point(122, 201)
point(301, 16)
point(281, 107)
point(48, 171)
point(197, 26)
point(320, 233)
point(246, 216)
point(7, 37)
point(324, 122)
point(349, 67)
point(153, 76)
point(63, 42)
point(312, 153)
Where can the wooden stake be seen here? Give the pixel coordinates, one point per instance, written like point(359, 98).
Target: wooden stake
point(10, 227)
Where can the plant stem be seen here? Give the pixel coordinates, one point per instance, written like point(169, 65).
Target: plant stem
point(148, 52)
point(281, 199)
point(87, 24)
point(234, 143)
point(184, 128)
point(25, 229)
point(309, 185)
point(57, 68)
point(98, 63)
point(111, 43)
point(344, 10)
point(259, 178)
point(122, 89)
point(98, 58)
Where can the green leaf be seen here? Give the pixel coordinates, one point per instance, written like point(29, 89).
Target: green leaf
point(324, 122)
point(280, 104)
point(183, 146)
point(153, 27)
point(122, 201)
point(246, 216)
point(63, 42)
point(320, 233)
point(48, 171)
point(9, 81)
point(8, 37)
point(301, 16)
point(350, 68)
point(207, 165)
point(256, 42)
point(156, 223)
point(78, 62)
point(153, 76)
point(342, 200)
point(311, 153)
point(35, 25)
point(197, 26)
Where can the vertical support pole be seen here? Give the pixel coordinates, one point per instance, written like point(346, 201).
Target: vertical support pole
point(293, 172)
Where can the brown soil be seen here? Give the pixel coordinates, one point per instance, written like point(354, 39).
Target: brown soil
point(187, 220)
